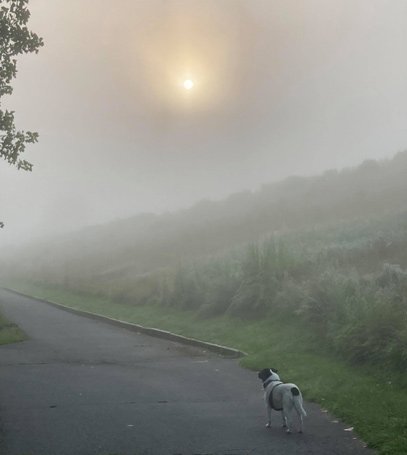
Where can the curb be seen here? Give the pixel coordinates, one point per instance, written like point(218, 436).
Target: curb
point(158, 333)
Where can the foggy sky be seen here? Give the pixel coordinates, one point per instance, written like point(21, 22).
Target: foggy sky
point(282, 87)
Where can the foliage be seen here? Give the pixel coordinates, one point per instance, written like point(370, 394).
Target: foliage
point(262, 272)
point(362, 317)
point(15, 39)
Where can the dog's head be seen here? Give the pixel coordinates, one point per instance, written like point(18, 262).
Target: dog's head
point(266, 373)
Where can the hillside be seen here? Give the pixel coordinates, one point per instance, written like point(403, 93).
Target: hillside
point(147, 242)
point(329, 251)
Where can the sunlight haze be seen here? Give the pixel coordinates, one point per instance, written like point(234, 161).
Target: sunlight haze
point(151, 106)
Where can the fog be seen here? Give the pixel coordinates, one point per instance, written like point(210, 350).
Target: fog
point(281, 88)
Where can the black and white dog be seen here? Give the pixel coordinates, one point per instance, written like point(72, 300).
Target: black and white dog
point(281, 397)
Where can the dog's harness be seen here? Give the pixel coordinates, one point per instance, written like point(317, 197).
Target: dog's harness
point(270, 397)
point(267, 382)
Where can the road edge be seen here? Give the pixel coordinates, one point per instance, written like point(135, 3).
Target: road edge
point(152, 331)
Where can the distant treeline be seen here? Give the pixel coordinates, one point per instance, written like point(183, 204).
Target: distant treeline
point(330, 251)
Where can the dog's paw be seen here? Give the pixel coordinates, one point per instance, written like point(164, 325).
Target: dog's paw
point(288, 431)
point(268, 425)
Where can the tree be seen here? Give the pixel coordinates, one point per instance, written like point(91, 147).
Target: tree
point(15, 39)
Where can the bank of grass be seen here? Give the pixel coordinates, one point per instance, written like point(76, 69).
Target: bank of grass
point(9, 332)
point(374, 402)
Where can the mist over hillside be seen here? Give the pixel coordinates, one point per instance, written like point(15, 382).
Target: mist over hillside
point(147, 242)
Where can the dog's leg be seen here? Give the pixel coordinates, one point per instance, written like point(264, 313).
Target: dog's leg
point(297, 400)
point(301, 424)
point(268, 424)
point(284, 420)
point(287, 418)
point(300, 430)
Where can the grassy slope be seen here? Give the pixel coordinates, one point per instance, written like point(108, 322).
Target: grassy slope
point(375, 403)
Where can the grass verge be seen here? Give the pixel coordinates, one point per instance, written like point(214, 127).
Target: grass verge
point(9, 332)
point(373, 401)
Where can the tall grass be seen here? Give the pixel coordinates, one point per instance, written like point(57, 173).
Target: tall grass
point(362, 317)
point(347, 283)
point(359, 312)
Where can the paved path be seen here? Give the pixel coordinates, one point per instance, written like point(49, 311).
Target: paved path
point(83, 387)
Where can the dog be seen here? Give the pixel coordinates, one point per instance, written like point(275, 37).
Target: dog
point(281, 397)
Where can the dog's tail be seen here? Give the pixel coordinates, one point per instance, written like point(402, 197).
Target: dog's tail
point(298, 401)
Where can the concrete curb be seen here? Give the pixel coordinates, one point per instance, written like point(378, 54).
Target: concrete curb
point(158, 333)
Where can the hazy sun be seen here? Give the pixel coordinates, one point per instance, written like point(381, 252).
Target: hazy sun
point(188, 84)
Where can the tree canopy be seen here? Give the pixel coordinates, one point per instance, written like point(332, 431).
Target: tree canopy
point(15, 39)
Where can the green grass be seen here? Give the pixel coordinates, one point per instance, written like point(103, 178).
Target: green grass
point(9, 332)
point(373, 402)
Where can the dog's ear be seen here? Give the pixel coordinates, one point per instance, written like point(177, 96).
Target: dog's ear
point(274, 370)
point(264, 374)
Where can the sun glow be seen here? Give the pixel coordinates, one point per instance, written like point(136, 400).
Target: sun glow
point(188, 84)
point(188, 63)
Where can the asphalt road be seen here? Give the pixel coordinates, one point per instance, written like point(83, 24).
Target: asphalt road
point(84, 387)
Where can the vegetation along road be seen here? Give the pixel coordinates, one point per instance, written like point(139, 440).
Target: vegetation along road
point(79, 386)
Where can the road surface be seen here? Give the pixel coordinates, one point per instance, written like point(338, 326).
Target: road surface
point(82, 387)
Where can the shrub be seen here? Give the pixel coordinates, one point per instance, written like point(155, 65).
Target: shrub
point(291, 297)
point(325, 304)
